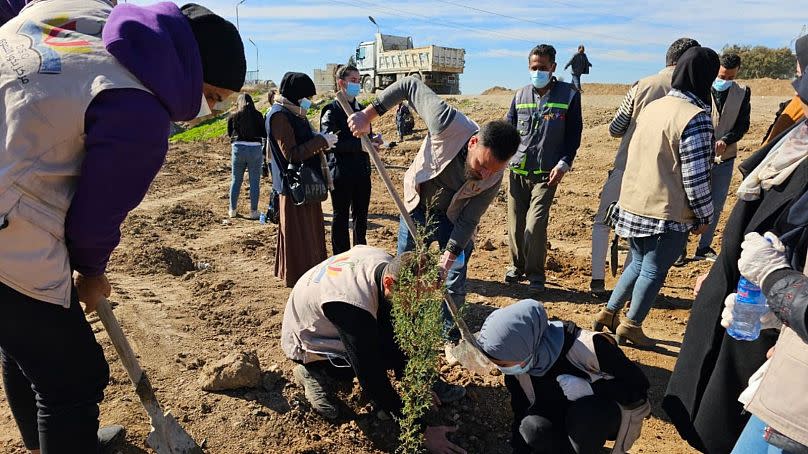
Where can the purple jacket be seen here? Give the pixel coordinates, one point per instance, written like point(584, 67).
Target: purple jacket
point(127, 129)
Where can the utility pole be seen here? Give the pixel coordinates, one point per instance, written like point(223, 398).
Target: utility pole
point(239, 3)
point(256, 59)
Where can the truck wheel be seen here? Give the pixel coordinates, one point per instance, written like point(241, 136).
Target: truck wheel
point(367, 85)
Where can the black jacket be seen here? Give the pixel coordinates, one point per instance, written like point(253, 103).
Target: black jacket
point(346, 160)
point(628, 386)
point(713, 368)
point(580, 64)
point(248, 126)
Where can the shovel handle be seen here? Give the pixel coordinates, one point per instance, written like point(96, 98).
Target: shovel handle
point(367, 145)
point(377, 161)
point(130, 363)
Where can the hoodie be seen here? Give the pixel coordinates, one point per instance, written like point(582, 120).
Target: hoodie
point(127, 130)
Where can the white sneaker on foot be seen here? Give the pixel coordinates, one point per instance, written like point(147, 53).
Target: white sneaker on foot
point(232, 213)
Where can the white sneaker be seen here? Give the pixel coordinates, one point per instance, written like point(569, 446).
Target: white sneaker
point(254, 215)
point(232, 213)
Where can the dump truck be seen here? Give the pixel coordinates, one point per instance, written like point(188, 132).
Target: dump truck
point(389, 58)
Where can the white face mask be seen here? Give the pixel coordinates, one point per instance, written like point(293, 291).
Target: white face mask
point(204, 109)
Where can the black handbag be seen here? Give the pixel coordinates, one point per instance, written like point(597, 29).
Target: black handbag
point(274, 210)
point(305, 184)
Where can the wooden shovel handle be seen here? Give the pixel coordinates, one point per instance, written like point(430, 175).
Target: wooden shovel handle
point(377, 161)
point(129, 360)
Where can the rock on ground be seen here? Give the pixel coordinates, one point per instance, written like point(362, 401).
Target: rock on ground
point(236, 370)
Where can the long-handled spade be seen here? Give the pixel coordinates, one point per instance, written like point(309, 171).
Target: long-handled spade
point(467, 351)
point(166, 436)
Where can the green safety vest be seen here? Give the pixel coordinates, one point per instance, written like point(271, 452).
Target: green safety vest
point(542, 125)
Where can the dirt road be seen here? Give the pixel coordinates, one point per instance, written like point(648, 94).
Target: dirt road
point(193, 286)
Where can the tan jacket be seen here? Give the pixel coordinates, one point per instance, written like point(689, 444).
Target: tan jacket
point(649, 89)
point(652, 183)
point(724, 120)
point(781, 400)
point(306, 334)
point(44, 93)
point(436, 152)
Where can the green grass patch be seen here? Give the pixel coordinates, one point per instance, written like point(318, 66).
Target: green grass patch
point(208, 129)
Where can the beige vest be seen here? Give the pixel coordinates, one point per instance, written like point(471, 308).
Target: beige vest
point(652, 184)
point(436, 152)
point(307, 335)
point(649, 89)
point(781, 401)
point(52, 64)
point(724, 121)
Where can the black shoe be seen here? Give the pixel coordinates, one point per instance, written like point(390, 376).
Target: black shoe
point(513, 275)
point(706, 254)
point(537, 288)
point(681, 261)
point(448, 393)
point(598, 289)
point(111, 437)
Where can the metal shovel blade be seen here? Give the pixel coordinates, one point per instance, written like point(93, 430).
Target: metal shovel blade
point(472, 358)
point(467, 352)
point(168, 437)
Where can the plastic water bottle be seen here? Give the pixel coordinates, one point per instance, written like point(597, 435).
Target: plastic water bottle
point(262, 218)
point(750, 305)
point(459, 261)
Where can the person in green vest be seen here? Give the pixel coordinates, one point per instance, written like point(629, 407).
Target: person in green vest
point(547, 114)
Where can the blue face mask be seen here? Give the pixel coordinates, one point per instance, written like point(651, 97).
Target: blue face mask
point(540, 79)
point(353, 89)
point(305, 103)
point(517, 369)
point(722, 85)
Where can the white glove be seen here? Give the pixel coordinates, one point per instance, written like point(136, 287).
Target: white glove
point(574, 387)
point(767, 320)
point(331, 138)
point(760, 256)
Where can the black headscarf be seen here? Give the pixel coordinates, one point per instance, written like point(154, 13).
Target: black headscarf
point(296, 86)
point(695, 72)
point(220, 46)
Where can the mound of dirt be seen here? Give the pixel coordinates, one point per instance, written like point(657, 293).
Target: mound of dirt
point(155, 259)
point(497, 90)
point(186, 216)
point(769, 87)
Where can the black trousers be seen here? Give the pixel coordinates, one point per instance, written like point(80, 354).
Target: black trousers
point(351, 196)
point(583, 429)
point(54, 373)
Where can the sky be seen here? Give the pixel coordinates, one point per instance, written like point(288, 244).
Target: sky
point(625, 39)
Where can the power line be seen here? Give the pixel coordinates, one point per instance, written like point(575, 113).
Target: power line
point(409, 14)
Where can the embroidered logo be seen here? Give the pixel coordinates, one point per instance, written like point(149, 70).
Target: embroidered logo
point(52, 38)
point(334, 266)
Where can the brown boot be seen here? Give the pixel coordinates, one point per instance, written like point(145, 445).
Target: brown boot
point(606, 319)
point(630, 331)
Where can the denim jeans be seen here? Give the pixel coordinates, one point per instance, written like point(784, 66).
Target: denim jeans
point(440, 232)
point(54, 373)
point(651, 258)
point(721, 178)
point(576, 81)
point(246, 157)
point(751, 440)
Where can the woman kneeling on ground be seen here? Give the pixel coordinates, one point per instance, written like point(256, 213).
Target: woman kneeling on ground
point(571, 389)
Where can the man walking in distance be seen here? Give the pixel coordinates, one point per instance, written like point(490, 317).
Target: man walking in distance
point(639, 95)
point(547, 114)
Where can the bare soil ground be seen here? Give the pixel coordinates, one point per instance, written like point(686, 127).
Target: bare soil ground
point(193, 286)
